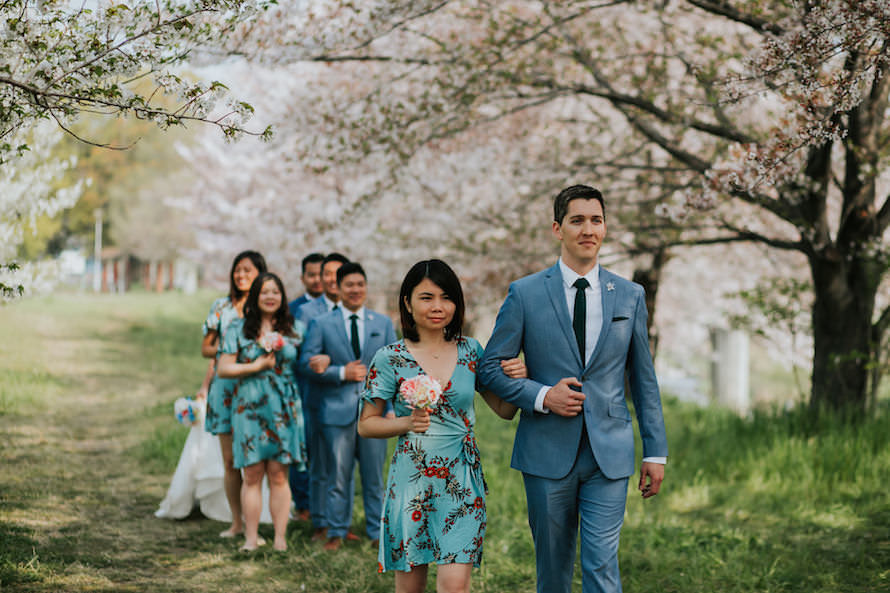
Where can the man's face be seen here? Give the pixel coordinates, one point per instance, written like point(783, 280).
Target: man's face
point(581, 232)
point(353, 290)
point(312, 279)
point(329, 279)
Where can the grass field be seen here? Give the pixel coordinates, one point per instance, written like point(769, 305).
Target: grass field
point(88, 444)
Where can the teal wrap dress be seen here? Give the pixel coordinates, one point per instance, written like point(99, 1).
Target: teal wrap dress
point(434, 502)
point(267, 416)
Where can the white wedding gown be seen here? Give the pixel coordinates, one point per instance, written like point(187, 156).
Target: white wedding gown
point(198, 480)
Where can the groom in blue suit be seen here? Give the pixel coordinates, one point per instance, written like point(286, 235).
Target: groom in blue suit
point(583, 331)
point(350, 336)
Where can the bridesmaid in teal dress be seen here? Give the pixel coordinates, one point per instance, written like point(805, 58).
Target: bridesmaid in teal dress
point(267, 419)
point(246, 266)
point(434, 503)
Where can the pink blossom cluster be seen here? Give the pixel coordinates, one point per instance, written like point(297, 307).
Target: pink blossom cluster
point(421, 391)
point(271, 342)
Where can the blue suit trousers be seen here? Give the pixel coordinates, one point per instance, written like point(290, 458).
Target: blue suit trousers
point(554, 508)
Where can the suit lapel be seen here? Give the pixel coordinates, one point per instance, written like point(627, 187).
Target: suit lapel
point(558, 298)
point(370, 322)
point(340, 330)
point(608, 300)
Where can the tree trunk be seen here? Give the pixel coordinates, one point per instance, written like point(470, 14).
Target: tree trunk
point(845, 291)
point(649, 278)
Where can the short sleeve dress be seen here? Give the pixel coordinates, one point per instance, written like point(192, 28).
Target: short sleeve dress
point(218, 418)
point(267, 417)
point(434, 503)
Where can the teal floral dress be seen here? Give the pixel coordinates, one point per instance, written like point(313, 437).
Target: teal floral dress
point(267, 417)
point(434, 503)
point(218, 419)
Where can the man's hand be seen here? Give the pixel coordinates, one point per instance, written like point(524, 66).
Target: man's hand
point(319, 363)
point(651, 476)
point(562, 400)
point(355, 371)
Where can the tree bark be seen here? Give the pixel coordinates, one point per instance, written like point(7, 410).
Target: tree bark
point(845, 290)
point(649, 278)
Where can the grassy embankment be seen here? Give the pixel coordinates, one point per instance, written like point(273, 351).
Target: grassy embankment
point(88, 444)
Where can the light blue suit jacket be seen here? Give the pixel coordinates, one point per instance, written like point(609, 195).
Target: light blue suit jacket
point(338, 401)
point(535, 319)
point(306, 313)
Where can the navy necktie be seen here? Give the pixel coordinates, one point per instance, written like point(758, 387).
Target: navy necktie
point(353, 330)
point(579, 320)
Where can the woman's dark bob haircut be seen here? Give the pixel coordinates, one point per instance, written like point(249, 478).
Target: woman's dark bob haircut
point(442, 276)
point(259, 263)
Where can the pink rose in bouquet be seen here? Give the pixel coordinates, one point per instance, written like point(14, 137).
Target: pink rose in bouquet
point(271, 342)
point(421, 392)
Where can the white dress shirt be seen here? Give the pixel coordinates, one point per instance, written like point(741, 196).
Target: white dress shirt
point(593, 323)
point(328, 302)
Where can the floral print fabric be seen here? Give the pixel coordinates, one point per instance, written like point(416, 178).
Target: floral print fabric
point(434, 502)
point(267, 417)
point(218, 419)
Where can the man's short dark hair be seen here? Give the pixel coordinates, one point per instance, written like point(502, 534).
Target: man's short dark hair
point(575, 192)
point(339, 257)
point(348, 268)
point(312, 258)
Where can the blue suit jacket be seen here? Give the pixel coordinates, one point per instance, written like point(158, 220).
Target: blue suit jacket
point(535, 319)
point(298, 302)
point(338, 401)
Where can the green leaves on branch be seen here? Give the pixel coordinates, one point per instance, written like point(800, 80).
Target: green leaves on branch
point(58, 60)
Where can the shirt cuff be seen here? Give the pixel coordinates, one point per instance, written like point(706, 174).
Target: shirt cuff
point(539, 401)
point(342, 374)
point(661, 460)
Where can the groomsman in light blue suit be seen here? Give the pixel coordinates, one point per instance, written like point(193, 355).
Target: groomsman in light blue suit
point(583, 331)
point(350, 336)
point(319, 457)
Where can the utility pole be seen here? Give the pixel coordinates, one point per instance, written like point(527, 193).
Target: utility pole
point(97, 252)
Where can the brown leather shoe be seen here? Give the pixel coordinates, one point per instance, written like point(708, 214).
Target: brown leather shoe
point(303, 515)
point(333, 544)
point(351, 537)
point(320, 534)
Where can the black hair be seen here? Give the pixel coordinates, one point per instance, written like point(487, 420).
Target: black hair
point(334, 257)
point(348, 268)
point(283, 320)
point(575, 192)
point(442, 276)
point(312, 258)
point(258, 261)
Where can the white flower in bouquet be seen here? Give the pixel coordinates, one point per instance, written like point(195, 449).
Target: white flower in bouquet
point(271, 342)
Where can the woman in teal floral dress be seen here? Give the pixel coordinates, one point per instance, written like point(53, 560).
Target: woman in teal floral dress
point(267, 419)
point(246, 266)
point(434, 503)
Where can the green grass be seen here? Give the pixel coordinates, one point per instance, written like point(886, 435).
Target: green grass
point(772, 503)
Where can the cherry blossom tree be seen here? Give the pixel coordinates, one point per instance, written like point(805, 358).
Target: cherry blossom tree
point(27, 192)
point(735, 121)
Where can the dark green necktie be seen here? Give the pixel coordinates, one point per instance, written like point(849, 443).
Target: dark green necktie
point(356, 346)
point(579, 320)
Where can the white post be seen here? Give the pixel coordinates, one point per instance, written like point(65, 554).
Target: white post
point(730, 373)
point(97, 252)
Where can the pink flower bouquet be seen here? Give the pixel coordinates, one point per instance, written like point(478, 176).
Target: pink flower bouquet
point(271, 342)
point(421, 392)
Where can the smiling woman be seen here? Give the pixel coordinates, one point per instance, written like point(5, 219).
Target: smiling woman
point(267, 418)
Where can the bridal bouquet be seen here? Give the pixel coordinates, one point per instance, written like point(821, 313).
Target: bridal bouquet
point(271, 342)
point(188, 411)
point(421, 392)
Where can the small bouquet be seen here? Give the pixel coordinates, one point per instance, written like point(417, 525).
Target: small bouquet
point(271, 342)
point(188, 411)
point(421, 392)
